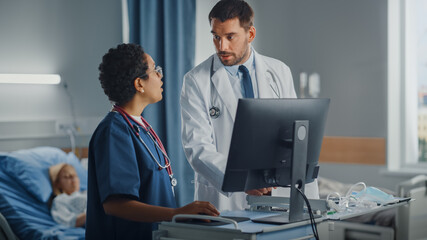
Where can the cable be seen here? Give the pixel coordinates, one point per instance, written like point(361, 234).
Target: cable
point(310, 212)
point(70, 97)
point(71, 132)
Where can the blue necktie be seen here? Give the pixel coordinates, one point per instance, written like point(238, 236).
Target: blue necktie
point(247, 82)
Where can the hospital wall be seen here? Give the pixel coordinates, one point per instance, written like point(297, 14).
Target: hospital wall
point(63, 37)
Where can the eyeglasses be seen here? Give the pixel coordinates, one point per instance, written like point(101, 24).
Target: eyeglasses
point(157, 69)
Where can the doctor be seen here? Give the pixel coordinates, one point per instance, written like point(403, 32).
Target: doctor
point(209, 99)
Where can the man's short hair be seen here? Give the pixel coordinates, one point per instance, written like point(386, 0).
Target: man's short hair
point(229, 9)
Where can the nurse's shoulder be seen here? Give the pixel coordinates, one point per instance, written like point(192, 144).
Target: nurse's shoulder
point(113, 121)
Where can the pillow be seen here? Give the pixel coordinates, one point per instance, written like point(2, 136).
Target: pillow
point(30, 169)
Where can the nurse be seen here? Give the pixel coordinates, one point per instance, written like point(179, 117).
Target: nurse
point(130, 181)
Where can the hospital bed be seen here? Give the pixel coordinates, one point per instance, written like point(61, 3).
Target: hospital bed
point(412, 219)
point(25, 189)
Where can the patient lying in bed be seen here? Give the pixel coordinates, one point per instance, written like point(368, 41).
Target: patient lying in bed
point(68, 204)
point(25, 188)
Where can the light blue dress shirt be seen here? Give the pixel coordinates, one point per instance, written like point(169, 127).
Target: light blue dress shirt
point(235, 77)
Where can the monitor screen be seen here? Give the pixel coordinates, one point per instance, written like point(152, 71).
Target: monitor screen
point(262, 143)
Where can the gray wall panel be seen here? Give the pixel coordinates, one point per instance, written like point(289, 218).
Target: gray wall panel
point(55, 36)
point(345, 42)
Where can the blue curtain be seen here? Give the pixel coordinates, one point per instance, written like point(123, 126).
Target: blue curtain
point(166, 31)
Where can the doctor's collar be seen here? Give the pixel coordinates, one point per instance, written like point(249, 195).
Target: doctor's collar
point(233, 70)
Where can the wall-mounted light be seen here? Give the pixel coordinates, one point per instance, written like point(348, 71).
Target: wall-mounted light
point(30, 78)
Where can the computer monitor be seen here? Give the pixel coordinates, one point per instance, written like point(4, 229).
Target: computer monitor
point(276, 142)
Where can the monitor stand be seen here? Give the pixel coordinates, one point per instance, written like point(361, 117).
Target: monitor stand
point(298, 172)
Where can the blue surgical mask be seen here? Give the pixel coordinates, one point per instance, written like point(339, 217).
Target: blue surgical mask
point(373, 194)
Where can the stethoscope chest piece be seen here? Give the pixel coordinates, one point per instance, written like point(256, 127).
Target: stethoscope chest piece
point(174, 182)
point(214, 112)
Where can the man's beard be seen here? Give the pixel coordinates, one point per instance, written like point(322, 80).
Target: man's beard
point(235, 62)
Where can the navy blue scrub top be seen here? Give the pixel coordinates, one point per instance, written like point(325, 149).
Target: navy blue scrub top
point(119, 164)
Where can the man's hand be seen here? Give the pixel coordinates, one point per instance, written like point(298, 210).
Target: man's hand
point(259, 192)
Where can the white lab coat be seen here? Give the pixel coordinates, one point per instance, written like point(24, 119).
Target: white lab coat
point(206, 140)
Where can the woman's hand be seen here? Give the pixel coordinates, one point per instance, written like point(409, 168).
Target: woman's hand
point(198, 207)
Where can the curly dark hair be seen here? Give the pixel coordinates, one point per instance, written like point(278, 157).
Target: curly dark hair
point(229, 9)
point(118, 70)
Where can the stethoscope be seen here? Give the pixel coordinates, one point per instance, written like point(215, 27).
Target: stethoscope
point(153, 136)
point(215, 112)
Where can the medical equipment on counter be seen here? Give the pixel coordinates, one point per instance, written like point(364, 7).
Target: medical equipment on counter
point(272, 203)
point(224, 228)
point(330, 225)
point(153, 136)
point(355, 200)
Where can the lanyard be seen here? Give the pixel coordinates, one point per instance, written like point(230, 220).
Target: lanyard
point(153, 136)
